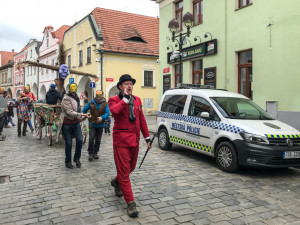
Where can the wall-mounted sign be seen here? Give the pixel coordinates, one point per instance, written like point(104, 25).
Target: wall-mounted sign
point(148, 103)
point(109, 79)
point(166, 83)
point(83, 96)
point(166, 70)
point(210, 76)
point(71, 80)
point(203, 49)
point(92, 84)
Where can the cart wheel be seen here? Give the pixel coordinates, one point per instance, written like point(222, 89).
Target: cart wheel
point(49, 128)
point(84, 133)
point(38, 127)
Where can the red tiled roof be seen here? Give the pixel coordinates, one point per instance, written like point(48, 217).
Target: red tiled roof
point(6, 56)
point(116, 26)
point(59, 33)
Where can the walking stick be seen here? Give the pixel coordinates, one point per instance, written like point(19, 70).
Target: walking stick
point(148, 149)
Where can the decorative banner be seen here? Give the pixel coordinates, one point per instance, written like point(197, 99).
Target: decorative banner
point(210, 76)
point(83, 96)
point(110, 79)
point(203, 49)
point(166, 70)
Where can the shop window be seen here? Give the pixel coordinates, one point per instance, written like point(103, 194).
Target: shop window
point(245, 77)
point(80, 58)
point(173, 103)
point(198, 11)
point(148, 78)
point(178, 75)
point(178, 13)
point(197, 71)
point(88, 55)
point(244, 3)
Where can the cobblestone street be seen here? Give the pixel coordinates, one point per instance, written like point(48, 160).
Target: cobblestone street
point(172, 187)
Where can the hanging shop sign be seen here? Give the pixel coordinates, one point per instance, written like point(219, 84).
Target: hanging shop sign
point(203, 49)
point(210, 76)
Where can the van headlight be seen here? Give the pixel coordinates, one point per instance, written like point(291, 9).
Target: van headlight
point(253, 138)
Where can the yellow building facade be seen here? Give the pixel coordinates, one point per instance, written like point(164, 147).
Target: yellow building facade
point(88, 50)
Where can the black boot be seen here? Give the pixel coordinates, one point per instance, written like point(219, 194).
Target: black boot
point(24, 128)
point(116, 185)
point(78, 163)
point(69, 165)
point(91, 157)
point(131, 209)
point(96, 155)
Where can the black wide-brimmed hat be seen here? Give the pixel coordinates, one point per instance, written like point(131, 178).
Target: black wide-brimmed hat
point(125, 77)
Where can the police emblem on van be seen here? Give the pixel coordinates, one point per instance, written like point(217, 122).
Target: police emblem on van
point(289, 142)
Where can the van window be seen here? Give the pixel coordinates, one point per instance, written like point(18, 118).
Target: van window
point(199, 105)
point(173, 103)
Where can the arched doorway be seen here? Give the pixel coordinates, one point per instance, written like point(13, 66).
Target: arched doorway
point(34, 89)
point(18, 93)
point(42, 94)
point(113, 91)
point(9, 92)
point(84, 86)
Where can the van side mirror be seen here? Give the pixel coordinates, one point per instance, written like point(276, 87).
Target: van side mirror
point(205, 115)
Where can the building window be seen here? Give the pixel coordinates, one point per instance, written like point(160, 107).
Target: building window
point(46, 68)
point(244, 3)
point(178, 13)
point(245, 73)
point(148, 78)
point(80, 58)
point(197, 71)
point(88, 55)
point(47, 40)
point(198, 11)
point(30, 53)
point(69, 61)
point(178, 75)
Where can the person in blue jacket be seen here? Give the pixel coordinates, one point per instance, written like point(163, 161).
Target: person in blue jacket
point(99, 112)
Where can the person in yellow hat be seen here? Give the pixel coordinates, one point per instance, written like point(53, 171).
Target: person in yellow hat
point(70, 119)
point(32, 99)
point(99, 112)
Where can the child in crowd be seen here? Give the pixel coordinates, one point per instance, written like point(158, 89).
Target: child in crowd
point(10, 114)
point(107, 125)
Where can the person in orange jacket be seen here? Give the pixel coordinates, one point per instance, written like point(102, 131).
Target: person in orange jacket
point(129, 120)
point(32, 98)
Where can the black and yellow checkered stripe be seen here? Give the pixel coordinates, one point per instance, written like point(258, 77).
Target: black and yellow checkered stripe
point(191, 144)
point(283, 136)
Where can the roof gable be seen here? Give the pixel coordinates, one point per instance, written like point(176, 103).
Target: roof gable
point(127, 32)
point(6, 57)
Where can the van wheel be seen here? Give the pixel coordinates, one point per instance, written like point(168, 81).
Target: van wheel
point(226, 157)
point(163, 139)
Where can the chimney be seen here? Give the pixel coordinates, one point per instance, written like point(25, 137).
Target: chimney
point(13, 50)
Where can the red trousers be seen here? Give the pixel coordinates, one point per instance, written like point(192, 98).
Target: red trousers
point(125, 160)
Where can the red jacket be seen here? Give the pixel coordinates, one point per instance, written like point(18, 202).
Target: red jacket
point(30, 95)
point(126, 133)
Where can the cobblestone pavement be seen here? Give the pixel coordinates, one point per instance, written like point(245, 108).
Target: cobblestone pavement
point(172, 187)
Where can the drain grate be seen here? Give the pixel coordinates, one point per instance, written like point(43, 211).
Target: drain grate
point(4, 179)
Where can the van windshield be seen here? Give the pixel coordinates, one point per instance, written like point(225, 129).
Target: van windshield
point(240, 108)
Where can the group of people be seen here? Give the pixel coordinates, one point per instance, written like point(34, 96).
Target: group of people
point(129, 120)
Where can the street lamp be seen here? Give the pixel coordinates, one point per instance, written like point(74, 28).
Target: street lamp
point(188, 21)
point(99, 51)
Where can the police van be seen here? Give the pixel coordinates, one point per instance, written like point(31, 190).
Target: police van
point(227, 126)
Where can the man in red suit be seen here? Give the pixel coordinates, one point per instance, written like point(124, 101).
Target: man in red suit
point(129, 120)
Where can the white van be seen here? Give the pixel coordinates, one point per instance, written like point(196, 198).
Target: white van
point(227, 126)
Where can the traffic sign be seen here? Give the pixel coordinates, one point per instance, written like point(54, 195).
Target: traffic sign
point(110, 79)
point(71, 80)
point(92, 84)
point(83, 96)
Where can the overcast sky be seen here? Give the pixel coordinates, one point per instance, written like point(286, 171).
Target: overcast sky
point(21, 20)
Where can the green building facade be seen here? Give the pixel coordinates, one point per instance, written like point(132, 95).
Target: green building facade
point(247, 46)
